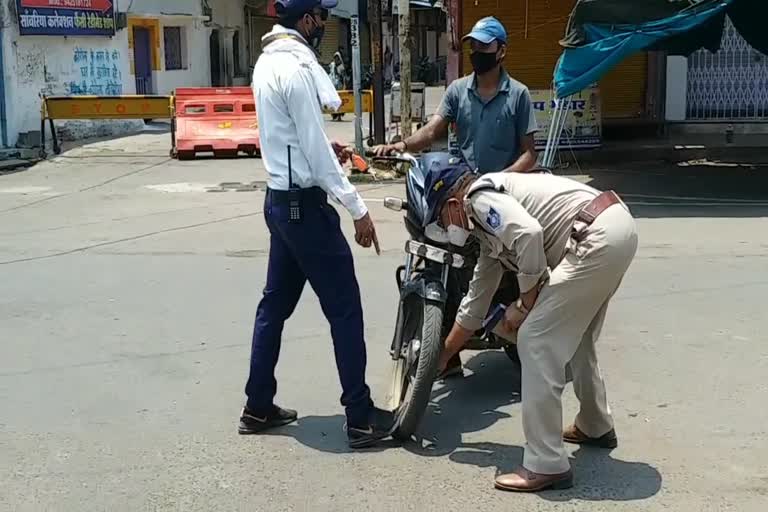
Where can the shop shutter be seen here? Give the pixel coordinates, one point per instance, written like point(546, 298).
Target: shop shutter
point(330, 42)
point(624, 89)
point(533, 49)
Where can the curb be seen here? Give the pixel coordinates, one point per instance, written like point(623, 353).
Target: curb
point(665, 153)
point(14, 165)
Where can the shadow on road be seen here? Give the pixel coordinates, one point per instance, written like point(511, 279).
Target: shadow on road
point(325, 434)
point(471, 405)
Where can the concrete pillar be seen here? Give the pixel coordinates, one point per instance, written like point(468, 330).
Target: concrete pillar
point(677, 88)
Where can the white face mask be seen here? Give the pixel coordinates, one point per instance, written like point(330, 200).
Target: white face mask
point(436, 233)
point(458, 236)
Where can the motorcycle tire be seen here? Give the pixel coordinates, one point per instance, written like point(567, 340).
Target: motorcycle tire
point(410, 414)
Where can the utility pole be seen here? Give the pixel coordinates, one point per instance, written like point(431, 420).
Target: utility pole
point(377, 57)
point(356, 79)
point(404, 25)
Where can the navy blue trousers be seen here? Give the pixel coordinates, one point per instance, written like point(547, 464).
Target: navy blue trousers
point(314, 250)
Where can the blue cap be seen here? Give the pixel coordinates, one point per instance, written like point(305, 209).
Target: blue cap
point(488, 30)
point(436, 187)
point(298, 7)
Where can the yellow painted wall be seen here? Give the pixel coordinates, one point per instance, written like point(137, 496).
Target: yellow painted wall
point(153, 25)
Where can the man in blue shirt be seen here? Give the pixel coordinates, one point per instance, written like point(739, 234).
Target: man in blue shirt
point(493, 112)
point(306, 241)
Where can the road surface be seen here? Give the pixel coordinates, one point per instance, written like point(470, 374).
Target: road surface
point(128, 294)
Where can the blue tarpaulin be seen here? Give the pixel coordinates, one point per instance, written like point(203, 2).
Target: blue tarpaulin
point(606, 45)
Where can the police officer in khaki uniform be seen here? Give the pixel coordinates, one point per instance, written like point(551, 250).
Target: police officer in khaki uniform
point(570, 246)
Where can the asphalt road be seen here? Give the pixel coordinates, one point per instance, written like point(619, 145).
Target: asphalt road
point(127, 295)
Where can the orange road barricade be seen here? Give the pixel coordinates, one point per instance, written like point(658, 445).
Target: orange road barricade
point(218, 120)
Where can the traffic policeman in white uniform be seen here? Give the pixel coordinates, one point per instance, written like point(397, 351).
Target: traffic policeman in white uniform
point(570, 246)
point(306, 242)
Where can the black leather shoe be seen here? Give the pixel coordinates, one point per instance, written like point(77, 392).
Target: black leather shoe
point(253, 423)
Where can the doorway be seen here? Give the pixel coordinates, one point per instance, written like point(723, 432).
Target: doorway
point(142, 60)
point(215, 59)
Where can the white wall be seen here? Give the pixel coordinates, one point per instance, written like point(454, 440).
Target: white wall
point(228, 13)
point(53, 65)
point(345, 8)
point(156, 7)
point(677, 88)
point(228, 17)
point(198, 67)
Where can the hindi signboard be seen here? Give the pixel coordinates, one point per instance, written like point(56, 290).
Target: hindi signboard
point(583, 127)
point(66, 17)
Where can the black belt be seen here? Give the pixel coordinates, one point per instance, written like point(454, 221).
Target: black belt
point(307, 194)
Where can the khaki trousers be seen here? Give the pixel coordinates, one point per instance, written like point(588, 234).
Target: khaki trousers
point(559, 336)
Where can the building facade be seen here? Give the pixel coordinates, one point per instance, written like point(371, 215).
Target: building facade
point(114, 47)
point(729, 86)
point(228, 42)
point(534, 30)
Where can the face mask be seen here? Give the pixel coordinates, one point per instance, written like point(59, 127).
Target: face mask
point(436, 233)
point(316, 35)
point(457, 235)
point(483, 62)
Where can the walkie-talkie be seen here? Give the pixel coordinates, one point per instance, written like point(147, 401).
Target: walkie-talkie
point(295, 210)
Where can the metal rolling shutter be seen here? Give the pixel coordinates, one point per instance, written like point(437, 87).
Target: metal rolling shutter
point(330, 42)
point(531, 59)
point(623, 90)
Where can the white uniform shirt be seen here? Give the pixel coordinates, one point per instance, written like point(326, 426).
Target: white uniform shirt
point(289, 114)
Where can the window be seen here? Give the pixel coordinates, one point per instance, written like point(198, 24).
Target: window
point(221, 108)
point(175, 41)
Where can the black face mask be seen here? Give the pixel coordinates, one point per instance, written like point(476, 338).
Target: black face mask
point(315, 36)
point(483, 62)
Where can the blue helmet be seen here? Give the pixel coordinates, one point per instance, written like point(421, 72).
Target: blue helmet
point(299, 7)
point(436, 187)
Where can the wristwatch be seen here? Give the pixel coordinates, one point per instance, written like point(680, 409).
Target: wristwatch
point(405, 145)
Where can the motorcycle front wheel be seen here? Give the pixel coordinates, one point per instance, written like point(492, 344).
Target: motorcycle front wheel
point(419, 368)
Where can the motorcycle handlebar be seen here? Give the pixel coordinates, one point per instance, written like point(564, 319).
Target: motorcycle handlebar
point(396, 157)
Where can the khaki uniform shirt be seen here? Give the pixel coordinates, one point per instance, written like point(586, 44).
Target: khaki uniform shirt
point(524, 226)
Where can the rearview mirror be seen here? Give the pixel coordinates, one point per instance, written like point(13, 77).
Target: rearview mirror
point(394, 203)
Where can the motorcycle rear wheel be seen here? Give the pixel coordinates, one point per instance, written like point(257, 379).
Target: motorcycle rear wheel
point(418, 379)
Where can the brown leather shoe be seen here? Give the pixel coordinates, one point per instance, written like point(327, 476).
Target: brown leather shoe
point(573, 435)
point(523, 480)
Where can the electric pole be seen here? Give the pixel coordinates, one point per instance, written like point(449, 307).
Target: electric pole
point(377, 58)
point(356, 79)
point(404, 28)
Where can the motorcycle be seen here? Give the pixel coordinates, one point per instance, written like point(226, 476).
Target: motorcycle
point(432, 283)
